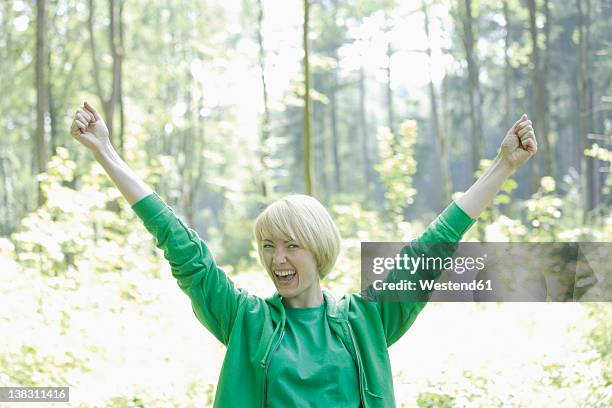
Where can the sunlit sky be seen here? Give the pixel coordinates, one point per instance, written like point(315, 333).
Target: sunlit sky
point(236, 81)
point(283, 43)
point(282, 36)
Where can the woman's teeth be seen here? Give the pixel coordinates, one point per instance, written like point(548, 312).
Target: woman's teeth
point(285, 276)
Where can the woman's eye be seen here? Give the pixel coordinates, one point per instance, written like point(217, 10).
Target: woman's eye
point(267, 246)
point(293, 246)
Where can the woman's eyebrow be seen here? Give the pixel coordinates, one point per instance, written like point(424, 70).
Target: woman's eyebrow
point(286, 241)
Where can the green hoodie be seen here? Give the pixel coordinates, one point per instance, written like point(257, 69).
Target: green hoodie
point(251, 327)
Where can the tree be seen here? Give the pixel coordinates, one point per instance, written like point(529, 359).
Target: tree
point(438, 129)
point(115, 98)
point(389, 89)
point(540, 93)
point(467, 22)
point(585, 101)
point(396, 168)
point(507, 67)
point(335, 43)
point(363, 127)
point(42, 107)
point(265, 121)
point(549, 156)
point(307, 119)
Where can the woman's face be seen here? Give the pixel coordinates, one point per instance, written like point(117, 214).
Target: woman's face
point(294, 272)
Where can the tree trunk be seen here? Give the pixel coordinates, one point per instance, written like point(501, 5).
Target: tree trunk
point(549, 156)
point(52, 109)
point(363, 124)
point(390, 113)
point(117, 55)
point(7, 191)
point(507, 70)
point(53, 134)
point(540, 94)
point(435, 120)
point(585, 103)
point(307, 134)
point(198, 156)
point(536, 93)
point(265, 121)
point(318, 146)
point(116, 45)
point(187, 147)
point(41, 91)
point(321, 127)
point(334, 127)
point(469, 42)
point(96, 69)
point(120, 56)
point(445, 110)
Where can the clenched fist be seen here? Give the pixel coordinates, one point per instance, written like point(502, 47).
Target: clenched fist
point(89, 129)
point(519, 144)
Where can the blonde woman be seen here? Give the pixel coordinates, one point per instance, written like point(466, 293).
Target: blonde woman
point(300, 347)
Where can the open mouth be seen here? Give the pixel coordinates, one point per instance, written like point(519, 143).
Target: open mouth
point(285, 277)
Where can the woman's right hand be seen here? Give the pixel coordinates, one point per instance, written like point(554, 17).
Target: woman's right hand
point(89, 129)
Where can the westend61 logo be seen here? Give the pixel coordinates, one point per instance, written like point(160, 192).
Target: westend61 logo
point(486, 271)
point(412, 264)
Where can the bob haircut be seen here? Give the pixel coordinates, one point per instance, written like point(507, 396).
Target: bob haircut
point(304, 219)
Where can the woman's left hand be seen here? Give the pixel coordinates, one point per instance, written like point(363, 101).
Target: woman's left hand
point(519, 144)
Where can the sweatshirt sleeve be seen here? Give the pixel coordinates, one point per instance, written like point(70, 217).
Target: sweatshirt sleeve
point(440, 239)
point(214, 298)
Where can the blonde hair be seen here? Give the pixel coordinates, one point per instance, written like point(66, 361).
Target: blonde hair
point(304, 219)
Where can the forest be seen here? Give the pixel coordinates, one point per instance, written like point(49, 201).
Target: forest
point(384, 110)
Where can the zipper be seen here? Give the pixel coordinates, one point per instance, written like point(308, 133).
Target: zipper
point(361, 387)
point(266, 364)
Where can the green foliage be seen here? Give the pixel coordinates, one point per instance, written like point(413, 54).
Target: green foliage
point(604, 154)
point(197, 394)
point(600, 338)
point(31, 368)
point(76, 228)
point(126, 402)
point(397, 166)
point(553, 216)
point(544, 212)
point(7, 249)
point(469, 389)
point(232, 241)
point(434, 400)
point(49, 239)
point(356, 224)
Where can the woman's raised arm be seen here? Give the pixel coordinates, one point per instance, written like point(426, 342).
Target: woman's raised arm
point(441, 237)
point(89, 129)
point(214, 298)
point(516, 148)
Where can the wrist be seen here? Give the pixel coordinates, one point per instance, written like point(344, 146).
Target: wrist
point(105, 153)
point(503, 166)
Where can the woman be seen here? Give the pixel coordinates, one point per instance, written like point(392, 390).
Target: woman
point(300, 347)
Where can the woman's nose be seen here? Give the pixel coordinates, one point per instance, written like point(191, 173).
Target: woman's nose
point(279, 257)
